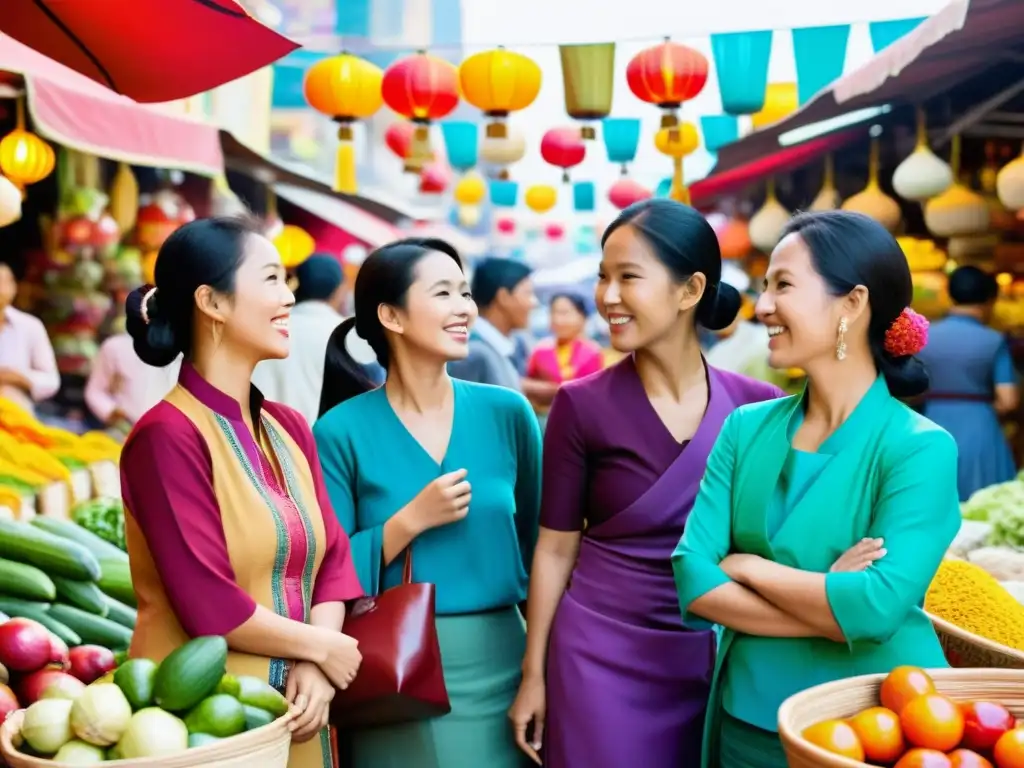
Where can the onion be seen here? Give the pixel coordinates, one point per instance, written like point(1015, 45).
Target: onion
point(153, 732)
point(79, 753)
point(47, 725)
point(91, 662)
point(50, 684)
point(24, 645)
point(101, 714)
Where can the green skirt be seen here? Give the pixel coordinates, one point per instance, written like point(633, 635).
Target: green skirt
point(482, 655)
point(742, 745)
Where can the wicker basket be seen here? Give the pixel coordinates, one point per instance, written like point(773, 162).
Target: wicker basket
point(845, 698)
point(965, 649)
point(265, 747)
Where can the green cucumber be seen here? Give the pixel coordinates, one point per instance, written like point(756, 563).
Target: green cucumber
point(25, 543)
point(74, 532)
point(26, 581)
point(92, 628)
point(81, 594)
point(123, 614)
point(24, 609)
point(116, 580)
point(256, 717)
point(190, 673)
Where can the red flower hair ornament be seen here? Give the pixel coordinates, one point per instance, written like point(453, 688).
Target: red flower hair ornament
point(907, 335)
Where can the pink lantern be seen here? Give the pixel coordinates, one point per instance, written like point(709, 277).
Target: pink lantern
point(506, 226)
point(554, 231)
point(563, 148)
point(624, 192)
point(435, 178)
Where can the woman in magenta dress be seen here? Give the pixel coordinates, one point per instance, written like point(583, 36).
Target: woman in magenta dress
point(568, 354)
point(611, 677)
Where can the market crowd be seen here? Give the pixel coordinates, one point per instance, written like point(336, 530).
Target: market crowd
point(690, 545)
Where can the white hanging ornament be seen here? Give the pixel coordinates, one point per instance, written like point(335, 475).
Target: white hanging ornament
point(923, 174)
point(10, 202)
point(1010, 183)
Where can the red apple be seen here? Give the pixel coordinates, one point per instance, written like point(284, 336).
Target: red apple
point(59, 658)
point(24, 645)
point(91, 662)
point(8, 703)
point(984, 723)
point(33, 686)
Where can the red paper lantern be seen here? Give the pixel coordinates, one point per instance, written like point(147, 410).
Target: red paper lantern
point(624, 192)
point(554, 231)
point(435, 178)
point(666, 75)
point(563, 148)
point(506, 226)
point(398, 137)
point(421, 88)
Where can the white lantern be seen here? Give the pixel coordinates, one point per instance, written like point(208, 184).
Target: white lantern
point(10, 202)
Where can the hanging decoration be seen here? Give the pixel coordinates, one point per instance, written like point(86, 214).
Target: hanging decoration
point(667, 75)
point(588, 78)
point(1010, 183)
point(766, 226)
point(719, 130)
point(621, 138)
point(554, 231)
point(505, 226)
point(345, 88)
point(24, 157)
point(295, 246)
point(734, 239)
point(664, 188)
point(677, 142)
point(499, 82)
point(10, 202)
point(504, 194)
point(1000, 218)
point(435, 178)
point(541, 198)
point(563, 148)
point(468, 216)
point(470, 190)
point(780, 101)
point(502, 153)
point(461, 144)
point(421, 88)
point(922, 175)
point(624, 192)
point(820, 56)
point(872, 201)
point(828, 198)
point(124, 197)
point(959, 211)
point(885, 33)
point(584, 196)
point(741, 64)
point(398, 138)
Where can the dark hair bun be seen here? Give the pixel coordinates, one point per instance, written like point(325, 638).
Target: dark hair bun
point(719, 306)
point(907, 377)
point(154, 342)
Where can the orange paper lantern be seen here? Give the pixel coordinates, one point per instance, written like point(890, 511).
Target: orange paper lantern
point(498, 82)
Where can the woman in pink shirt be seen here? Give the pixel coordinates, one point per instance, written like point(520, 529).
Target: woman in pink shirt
point(121, 387)
point(28, 367)
point(568, 354)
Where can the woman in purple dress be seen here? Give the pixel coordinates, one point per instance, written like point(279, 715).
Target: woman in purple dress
point(611, 676)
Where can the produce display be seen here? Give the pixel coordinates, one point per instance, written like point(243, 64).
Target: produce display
point(88, 710)
point(915, 726)
point(1002, 506)
point(103, 517)
point(967, 596)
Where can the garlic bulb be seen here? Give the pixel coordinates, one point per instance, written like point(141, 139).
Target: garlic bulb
point(828, 198)
point(767, 224)
point(1010, 184)
point(922, 175)
point(872, 201)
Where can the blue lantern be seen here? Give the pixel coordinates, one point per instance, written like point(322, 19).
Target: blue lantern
point(885, 33)
point(719, 130)
point(460, 142)
point(584, 196)
point(504, 193)
point(621, 138)
point(820, 54)
point(741, 61)
point(664, 187)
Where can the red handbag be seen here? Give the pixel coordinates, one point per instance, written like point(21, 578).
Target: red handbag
point(400, 679)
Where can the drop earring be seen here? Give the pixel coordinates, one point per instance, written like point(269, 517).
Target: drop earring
point(841, 340)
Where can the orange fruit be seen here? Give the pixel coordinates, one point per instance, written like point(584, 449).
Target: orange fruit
point(837, 737)
point(903, 684)
point(879, 732)
point(965, 758)
point(1009, 750)
point(923, 758)
point(933, 721)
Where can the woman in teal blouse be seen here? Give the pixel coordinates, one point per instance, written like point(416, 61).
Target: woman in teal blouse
point(449, 468)
point(822, 517)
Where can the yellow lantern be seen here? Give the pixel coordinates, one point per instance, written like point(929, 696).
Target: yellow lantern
point(677, 142)
point(24, 157)
point(780, 101)
point(541, 198)
point(499, 82)
point(295, 245)
point(346, 88)
point(470, 190)
point(503, 152)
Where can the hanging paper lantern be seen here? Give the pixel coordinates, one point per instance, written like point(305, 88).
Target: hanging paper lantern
point(504, 193)
point(828, 198)
point(470, 190)
point(667, 75)
point(503, 152)
point(741, 64)
point(421, 88)
point(461, 142)
point(1010, 184)
point(885, 33)
point(499, 82)
point(24, 157)
point(505, 226)
point(719, 130)
point(624, 192)
point(872, 201)
point(820, 55)
point(398, 138)
point(541, 198)
point(780, 101)
point(124, 197)
point(554, 231)
point(588, 78)
point(621, 138)
point(677, 143)
point(468, 216)
point(584, 196)
point(563, 148)
point(734, 239)
point(295, 246)
point(345, 88)
point(767, 224)
point(959, 211)
point(435, 178)
point(153, 225)
point(922, 175)
point(10, 202)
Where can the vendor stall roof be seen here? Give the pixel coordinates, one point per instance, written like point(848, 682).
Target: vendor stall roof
point(338, 213)
point(72, 110)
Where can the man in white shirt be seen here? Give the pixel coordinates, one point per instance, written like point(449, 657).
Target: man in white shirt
point(297, 380)
point(28, 367)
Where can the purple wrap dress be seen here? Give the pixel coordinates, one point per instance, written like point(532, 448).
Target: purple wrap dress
point(626, 683)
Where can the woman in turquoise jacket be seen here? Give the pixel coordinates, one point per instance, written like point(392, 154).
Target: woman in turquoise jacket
point(822, 517)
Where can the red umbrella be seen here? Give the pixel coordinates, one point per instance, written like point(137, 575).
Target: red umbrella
point(148, 50)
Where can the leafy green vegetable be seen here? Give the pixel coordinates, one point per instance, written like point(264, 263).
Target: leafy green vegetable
point(104, 517)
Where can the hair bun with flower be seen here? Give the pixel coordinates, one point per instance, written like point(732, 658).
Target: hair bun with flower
point(907, 335)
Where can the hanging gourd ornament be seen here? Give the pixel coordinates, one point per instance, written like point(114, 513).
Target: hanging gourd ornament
point(922, 175)
point(767, 225)
point(872, 201)
point(1010, 183)
point(959, 211)
point(828, 198)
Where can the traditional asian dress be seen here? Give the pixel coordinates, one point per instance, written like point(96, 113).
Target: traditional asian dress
point(218, 523)
point(887, 473)
point(627, 683)
point(373, 467)
point(552, 361)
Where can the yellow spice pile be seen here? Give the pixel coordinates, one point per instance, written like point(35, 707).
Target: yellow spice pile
point(967, 596)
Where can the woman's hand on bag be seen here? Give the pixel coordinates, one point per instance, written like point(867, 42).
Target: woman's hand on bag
point(444, 501)
point(530, 707)
point(342, 661)
point(859, 556)
point(310, 694)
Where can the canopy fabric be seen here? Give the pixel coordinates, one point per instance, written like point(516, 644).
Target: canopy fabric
point(334, 211)
point(72, 110)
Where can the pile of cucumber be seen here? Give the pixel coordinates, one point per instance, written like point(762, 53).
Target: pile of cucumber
point(69, 580)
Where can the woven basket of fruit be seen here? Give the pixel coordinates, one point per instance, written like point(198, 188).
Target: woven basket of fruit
point(965, 649)
point(911, 718)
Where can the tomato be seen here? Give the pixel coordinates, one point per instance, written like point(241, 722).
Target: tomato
point(837, 737)
point(923, 758)
point(880, 734)
point(933, 721)
point(904, 684)
point(965, 758)
point(984, 723)
point(1009, 750)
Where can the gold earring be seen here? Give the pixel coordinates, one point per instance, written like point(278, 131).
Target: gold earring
point(841, 340)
